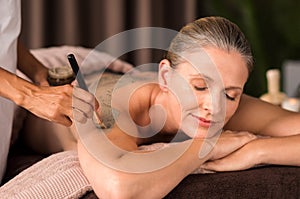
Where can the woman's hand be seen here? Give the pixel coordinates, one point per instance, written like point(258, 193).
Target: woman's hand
point(230, 141)
point(267, 150)
point(244, 158)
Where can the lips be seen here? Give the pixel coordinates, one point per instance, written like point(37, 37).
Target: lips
point(202, 121)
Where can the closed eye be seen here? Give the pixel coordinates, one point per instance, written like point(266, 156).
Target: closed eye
point(229, 97)
point(200, 88)
point(233, 93)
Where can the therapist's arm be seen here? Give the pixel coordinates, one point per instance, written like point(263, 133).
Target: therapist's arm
point(54, 104)
point(59, 104)
point(30, 66)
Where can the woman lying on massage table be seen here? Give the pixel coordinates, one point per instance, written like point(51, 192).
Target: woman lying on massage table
point(199, 94)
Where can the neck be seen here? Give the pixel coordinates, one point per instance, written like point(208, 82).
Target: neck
point(162, 99)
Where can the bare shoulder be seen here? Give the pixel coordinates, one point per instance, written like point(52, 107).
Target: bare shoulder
point(137, 91)
point(260, 117)
point(131, 105)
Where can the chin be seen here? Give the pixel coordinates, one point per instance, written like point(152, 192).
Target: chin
point(200, 133)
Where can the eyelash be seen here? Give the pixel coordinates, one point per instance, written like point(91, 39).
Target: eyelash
point(204, 88)
point(200, 88)
point(229, 97)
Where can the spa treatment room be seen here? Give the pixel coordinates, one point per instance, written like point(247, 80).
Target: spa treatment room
point(149, 99)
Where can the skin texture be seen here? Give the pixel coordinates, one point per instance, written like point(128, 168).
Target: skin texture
point(235, 149)
point(208, 91)
point(272, 122)
point(230, 66)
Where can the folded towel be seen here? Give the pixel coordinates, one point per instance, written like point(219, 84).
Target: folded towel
point(58, 176)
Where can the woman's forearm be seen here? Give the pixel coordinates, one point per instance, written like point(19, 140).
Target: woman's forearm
point(118, 173)
point(109, 182)
point(280, 150)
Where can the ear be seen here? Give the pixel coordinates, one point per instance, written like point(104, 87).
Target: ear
point(164, 74)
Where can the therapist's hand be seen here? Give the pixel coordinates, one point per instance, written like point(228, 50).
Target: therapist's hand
point(61, 104)
point(40, 76)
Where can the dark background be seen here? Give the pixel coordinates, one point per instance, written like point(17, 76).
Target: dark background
point(271, 26)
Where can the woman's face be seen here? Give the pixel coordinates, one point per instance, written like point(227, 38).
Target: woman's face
point(216, 84)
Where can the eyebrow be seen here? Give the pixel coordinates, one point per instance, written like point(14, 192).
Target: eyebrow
point(202, 77)
point(233, 88)
point(211, 80)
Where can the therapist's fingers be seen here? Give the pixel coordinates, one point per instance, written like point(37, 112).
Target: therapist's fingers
point(79, 116)
point(85, 96)
point(85, 108)
point(86, 103)
point(74, 83)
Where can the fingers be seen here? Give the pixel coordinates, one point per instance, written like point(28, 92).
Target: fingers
point(74, 83)
point(213, 166)
point(79, 116)
point(230, 141)
point(245, 137)
point(81, 106)
point(84, 105)
point(66, 121)
point(227, 163)
point(62, 104)
point(42, 83)
point(97, 107)
point(83, 95)
point(242, 137)
point(238, 160)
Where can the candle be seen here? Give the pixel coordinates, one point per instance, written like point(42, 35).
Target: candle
point(291, 104)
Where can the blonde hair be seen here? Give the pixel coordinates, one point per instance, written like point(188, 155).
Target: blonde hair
point(210, 31)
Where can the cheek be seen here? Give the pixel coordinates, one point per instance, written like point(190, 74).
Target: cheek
point(175, 108)
point(231, 107)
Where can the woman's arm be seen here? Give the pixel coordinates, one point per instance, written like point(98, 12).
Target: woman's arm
point(111, 183)
point(263, 118)
point(124, 174)
point(274, 150)
point(281, 146)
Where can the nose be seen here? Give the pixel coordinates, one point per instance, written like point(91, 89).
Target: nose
point(212, 102)
point(207, 103)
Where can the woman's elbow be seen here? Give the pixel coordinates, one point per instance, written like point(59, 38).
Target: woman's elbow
point(108, 182)
point(117, 187)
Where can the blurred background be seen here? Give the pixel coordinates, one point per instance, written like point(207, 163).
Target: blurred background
point(271, 26)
